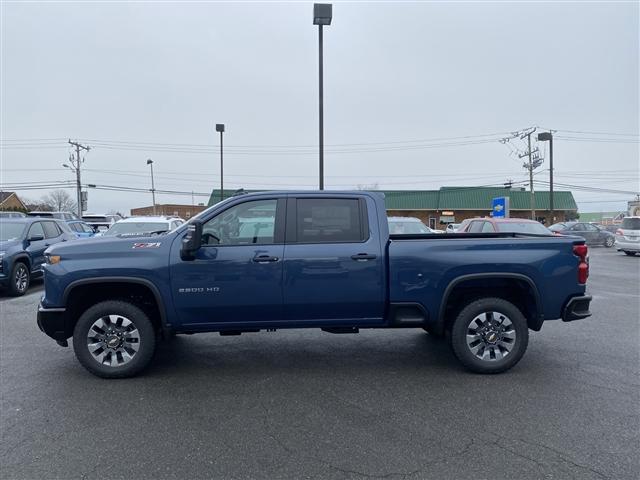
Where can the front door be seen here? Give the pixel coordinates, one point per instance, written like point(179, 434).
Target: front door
point(36, 248)
point(333, 270)
point(236, 277)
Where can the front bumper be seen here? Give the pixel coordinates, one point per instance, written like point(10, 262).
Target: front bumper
point(52, 322)
point(577, 309)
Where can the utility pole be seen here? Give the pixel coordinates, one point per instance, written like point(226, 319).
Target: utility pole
point(533, 163)
point(76, 166)
point(533, 197)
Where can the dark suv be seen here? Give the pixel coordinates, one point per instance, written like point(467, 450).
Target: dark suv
point(593, 234)
point(22, 245)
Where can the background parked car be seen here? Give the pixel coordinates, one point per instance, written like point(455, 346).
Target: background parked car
point(100, 222)
point(60, 215)
point(452, 227)
point(12, 215)
point(513, 225)
point(628, 236)
point(138, 226)
point(81, 229)
point(592, 234)
point(408, 225)
point(22, 245)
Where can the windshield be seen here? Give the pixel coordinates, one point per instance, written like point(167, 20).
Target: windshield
point(11, 231)
point(137, 228)
point(523, 227)
point(400, 227)
point(631, 224)
point(558, 227)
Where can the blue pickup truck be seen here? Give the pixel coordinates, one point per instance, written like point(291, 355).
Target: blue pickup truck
point(325, 260)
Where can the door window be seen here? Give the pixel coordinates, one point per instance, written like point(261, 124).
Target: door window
point(590, 228)
point(244, 224)
point(51, 230)
point(36, 230)
point(329, 220)
point(475, 227)
point(487, 228)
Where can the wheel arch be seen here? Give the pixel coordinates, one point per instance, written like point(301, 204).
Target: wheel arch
point(81, 294)
point(521, 291)
point(24, 258)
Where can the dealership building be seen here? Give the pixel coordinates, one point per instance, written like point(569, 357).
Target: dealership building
point(454, 204)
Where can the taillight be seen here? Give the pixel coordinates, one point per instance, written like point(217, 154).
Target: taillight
point(619, 232)
point(581, 251)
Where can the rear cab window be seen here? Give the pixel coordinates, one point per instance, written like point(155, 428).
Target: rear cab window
point(329, 220)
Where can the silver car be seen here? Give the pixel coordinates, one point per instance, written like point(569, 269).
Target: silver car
point(628, 236)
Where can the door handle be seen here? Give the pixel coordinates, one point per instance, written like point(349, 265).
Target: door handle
point(362, 257)
point(265, 259)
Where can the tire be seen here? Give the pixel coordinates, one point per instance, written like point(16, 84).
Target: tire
point(20, 279)
point(631, 254)
point(127, 345)
point(501, 339)
point(609, 242)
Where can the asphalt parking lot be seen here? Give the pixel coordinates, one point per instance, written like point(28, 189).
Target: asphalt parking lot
point(308, 404)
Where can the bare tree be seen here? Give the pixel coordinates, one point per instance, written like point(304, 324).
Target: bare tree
point(59, 201)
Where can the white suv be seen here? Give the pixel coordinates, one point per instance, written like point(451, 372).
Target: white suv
point(628, 236)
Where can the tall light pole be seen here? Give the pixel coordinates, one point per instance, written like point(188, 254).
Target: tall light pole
point(220, 128)
point(322, 15)
point(544, 137)
point(153, 187)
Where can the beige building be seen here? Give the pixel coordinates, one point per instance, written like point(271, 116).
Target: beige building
point(11, 202)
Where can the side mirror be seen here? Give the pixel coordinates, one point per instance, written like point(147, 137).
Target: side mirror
point(192, 241)
point(35, 238)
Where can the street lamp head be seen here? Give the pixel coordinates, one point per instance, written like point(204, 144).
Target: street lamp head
point(322, 13)
point(545, 136)
point(149, 161)
point(65, 165)
point(219, 127)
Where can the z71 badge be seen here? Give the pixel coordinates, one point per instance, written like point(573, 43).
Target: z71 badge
point(147, 245)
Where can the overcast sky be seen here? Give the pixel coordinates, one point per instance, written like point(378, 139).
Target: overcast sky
point(129, 79)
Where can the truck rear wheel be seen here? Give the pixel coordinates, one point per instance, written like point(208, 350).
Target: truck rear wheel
point(114, 339)
point(490, 335)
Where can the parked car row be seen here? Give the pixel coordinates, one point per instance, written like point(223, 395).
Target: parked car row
point(24, 239)
point(626, 237)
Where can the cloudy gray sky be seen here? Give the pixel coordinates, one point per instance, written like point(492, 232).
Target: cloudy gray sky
point(150, 80)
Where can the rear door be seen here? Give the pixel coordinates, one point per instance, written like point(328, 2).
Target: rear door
point(333, 261)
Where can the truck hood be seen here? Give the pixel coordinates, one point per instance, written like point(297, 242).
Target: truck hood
point(7, 244)
point(109, 246)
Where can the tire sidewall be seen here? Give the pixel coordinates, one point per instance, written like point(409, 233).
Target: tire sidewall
point(13, 289)
point(135, 315)
point(466, 316)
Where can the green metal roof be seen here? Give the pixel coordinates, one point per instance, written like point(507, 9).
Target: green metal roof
point(411, 199)
point(479, 198)
point(459, 198)
point(598, 216)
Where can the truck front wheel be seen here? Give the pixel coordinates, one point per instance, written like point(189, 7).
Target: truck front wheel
point(114, 339)
point(490, 335)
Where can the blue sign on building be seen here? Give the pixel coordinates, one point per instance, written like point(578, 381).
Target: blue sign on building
point(500, 207)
